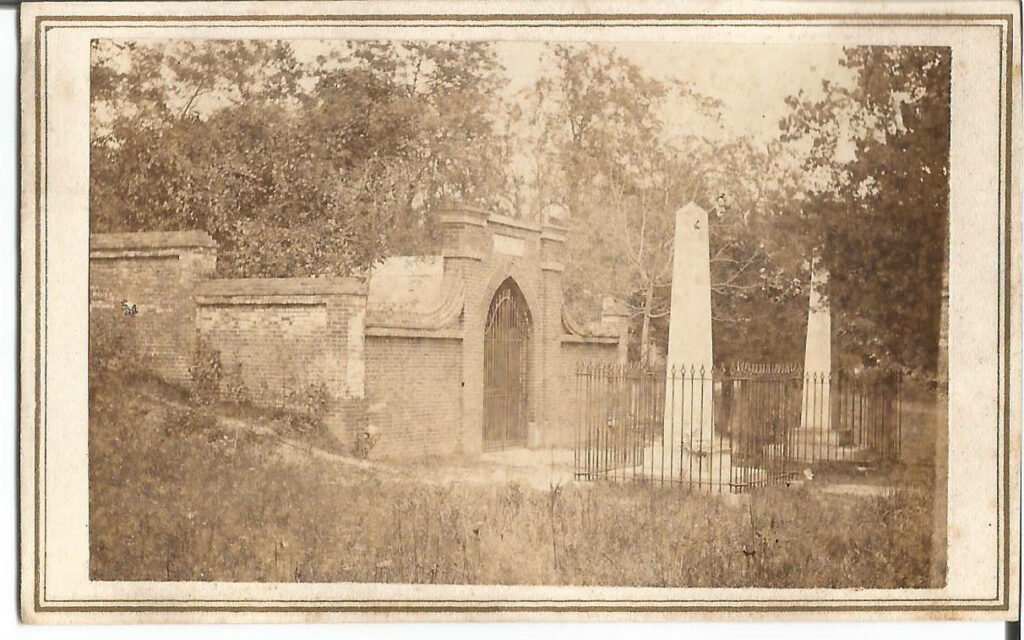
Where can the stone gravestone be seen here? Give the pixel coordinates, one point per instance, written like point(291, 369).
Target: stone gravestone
point(688, 401)
point(815, 413)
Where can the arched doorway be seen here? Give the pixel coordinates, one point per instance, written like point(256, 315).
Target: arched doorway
point(506, 368)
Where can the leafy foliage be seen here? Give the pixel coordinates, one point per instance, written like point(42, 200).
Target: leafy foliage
point(308, 407)
point(294, 170)
point(206, 375)
point(878, 213)
point(607, 156)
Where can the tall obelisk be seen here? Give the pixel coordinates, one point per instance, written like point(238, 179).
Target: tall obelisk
point(689, 400)
point(815, 410)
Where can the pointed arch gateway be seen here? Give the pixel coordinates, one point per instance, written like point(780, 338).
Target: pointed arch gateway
point(506, 368)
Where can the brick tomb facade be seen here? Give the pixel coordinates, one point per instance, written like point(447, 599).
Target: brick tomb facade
point(406, 355)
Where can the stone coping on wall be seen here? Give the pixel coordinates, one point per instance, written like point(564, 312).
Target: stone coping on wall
point(577, 332)
point(143, 240)
point(513, 223)
point(272, 288)
point(464, 215)
point(554, 235)
point(413, 333)
point(467, 254)
point(574, 328)
point(552, 229)
point(590, 339)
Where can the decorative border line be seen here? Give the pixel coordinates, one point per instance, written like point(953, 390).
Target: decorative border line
point(1004, 22)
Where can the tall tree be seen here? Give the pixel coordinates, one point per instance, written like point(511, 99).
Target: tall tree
point(878, 212)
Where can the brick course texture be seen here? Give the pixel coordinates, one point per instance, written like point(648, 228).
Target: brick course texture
point(413, 387)
point(156, 274)
point(283, 337)
point(573, 354)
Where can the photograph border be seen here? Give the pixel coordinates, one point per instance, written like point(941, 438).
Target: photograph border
point(1005, 22)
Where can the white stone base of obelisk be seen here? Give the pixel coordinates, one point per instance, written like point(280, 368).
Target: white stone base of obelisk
point(667, 462)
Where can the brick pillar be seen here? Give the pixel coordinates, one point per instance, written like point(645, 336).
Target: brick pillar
point(158, 273)
point(198, 264)
point(346, 340)
point(552, 255)
point(464, 249)
point(615, 316)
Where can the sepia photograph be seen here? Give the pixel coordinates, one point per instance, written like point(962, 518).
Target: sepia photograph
point(516, 312)
point(480, 314)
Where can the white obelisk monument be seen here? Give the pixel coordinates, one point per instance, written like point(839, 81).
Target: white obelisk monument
point(815, 413)
point(689, 400)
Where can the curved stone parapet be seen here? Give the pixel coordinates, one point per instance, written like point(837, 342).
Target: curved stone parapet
point(573, 328)
point(442, 316)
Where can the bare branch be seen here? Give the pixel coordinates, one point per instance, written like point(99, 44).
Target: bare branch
point(724, 286)
point(722, 249)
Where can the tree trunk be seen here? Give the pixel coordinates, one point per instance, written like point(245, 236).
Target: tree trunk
point(645, 330)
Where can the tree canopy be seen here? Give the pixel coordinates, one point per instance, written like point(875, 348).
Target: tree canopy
point(294, 169)
point(607, 157)
point(326, 166)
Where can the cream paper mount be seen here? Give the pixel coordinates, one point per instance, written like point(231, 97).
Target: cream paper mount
point(364, 311)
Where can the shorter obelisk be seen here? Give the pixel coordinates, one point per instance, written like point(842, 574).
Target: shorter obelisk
point(815, 409)
point(689, 387)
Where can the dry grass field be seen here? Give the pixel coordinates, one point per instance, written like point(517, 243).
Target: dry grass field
point(180, 494)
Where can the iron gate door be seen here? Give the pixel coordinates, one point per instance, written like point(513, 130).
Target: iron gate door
point(506, 369)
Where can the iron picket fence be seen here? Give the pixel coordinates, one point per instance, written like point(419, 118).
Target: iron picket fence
point(730, 428)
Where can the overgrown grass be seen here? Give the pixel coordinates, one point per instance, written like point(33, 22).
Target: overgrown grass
point(176, 496)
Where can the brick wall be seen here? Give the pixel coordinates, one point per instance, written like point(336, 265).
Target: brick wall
point(280, 337)
point(157, 274)
point(413, 388)
point(576, 351)
point(416, 377)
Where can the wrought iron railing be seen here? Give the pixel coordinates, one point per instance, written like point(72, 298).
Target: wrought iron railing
point(730, 429)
